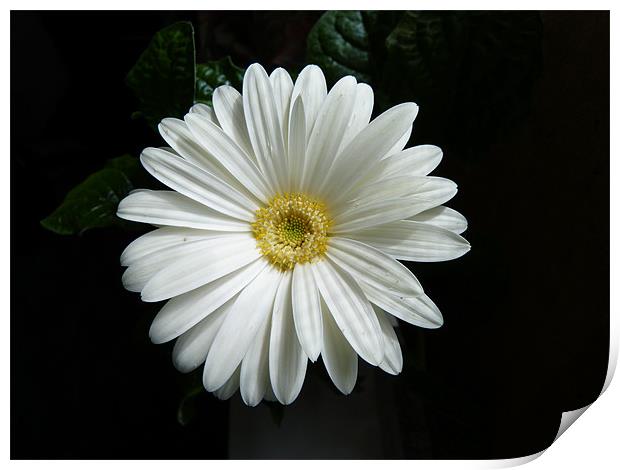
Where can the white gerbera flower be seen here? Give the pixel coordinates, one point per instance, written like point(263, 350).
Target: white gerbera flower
point(279, 240)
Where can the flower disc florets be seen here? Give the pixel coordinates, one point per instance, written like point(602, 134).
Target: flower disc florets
point(292, 228)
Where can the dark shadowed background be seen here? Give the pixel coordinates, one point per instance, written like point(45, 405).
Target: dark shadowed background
point(526, 311)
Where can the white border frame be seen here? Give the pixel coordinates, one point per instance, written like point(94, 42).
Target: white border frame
point(593, 442)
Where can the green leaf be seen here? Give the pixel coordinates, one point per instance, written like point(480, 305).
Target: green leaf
point(129, 165)
point(338, 43)
point(133, 170)
point(186, 411)
point(163, 77)
point(93, 202)
point(470, 72)
point(422, 49)
point(216, 73)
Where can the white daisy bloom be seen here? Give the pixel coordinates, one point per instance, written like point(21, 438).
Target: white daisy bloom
point(279, 240)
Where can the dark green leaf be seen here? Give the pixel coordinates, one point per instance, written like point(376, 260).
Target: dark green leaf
point(470, 72)
point(192, 395)
point(216, 73)
point(186, 412)
point(132, 169)
point(93, 202)
point(163, 78)
point(125, 163)
point(420, 51)
point(338, 43)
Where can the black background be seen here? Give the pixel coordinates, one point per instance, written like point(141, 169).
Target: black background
point(526, 311)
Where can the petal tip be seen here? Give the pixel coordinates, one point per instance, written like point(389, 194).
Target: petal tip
point(184, 368)
point(287, 400)
point(147, 296)
point(156, 337)
point(255, 68)
point(209, 384)
point(251, 401)
point(346, 390)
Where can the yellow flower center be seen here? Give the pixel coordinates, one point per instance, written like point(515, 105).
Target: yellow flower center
point(290, 229)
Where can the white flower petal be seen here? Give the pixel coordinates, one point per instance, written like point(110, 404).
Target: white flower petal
point(216, 258)
point(393, 360)
point(351, 310)
point(338, 356)
point(134, 280)
point(255, 366)
point(144, 269)
point(360, 116)
point(431, 188)
point(373, 192)
point(414, 241)
point(197, 184)
point(230, 387)
point(287, 361)
point(282, 89)
point(172, 208)
point(435, 189)
point(206, 111)
point(372, 266)
point(307, 311)
point(402, 142)
point(263, 125)
point(443, 217)
point(184, 311)
point(160, 238)
point(419, 311)
point(229, 154)
point(311, 87)
point(191, 348)
point(331, 124)
point(377, 213)
point(392, 200)
point(176, 133)
point(414, 161)
point(296, 145)
point(228, 106)
point(242, 323)
point(365, 151)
